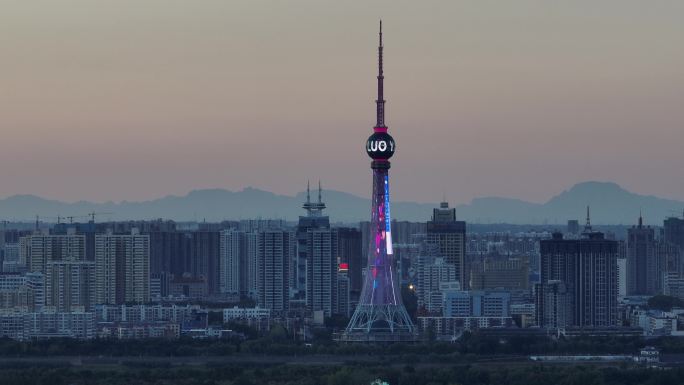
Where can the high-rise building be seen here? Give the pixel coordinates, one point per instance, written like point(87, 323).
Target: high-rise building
point(671, 248)
point(170, 253)
point(317, 255)
point(342, 293)
point(669, 258)
point(191, 254)
point(432, 273)
point(588, 269)
point(86, 229)
point(380, 313)
point(39, 249)
point(364, 227)
point(204, 257)
point(553, 301)
point(622, 276)
point(233, 263)
point(673, 285)
point(673, 231)
point(122, 264)
point(349, 252)
point(404, 232)
point(643, 270)
point(70, 285)
point(449, 234)
point(321, 270)
point(406, 255)
point(253, 265)
point(274, 251)
point(510, 273)
point(314, 220)
point(62, 260)
point(159, 285)
point(11, 262)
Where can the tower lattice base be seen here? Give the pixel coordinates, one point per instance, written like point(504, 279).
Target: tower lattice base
point(380, 323)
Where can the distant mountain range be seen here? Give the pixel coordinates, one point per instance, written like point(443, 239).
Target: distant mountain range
point(611, 204)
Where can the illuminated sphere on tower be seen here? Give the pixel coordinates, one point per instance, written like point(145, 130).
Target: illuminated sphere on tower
point(380, 146)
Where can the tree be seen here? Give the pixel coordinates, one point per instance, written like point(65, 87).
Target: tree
point(664, 302)
point(410, 302)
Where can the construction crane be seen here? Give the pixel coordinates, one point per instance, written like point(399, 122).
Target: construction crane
point(71, 217)
point(58, 218)
point(93, 214)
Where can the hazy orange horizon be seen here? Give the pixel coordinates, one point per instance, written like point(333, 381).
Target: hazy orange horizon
point(133, 100)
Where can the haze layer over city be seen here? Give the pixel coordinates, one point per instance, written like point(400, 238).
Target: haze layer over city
point(130, 100)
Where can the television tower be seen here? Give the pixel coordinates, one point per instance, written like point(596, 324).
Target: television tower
point(380, 315)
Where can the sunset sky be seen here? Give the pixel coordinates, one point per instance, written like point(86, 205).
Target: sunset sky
point(137, 99)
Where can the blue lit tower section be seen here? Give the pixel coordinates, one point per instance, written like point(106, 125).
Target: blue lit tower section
point(380, 314)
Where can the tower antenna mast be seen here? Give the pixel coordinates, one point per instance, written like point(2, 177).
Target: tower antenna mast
point(380, 102)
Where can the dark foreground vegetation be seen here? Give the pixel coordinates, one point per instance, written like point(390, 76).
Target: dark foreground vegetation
point(345, 375)
point(275, 360)
point(277, 344)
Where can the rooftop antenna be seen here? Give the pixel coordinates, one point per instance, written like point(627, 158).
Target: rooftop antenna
point(320, 199)
point(313, 209)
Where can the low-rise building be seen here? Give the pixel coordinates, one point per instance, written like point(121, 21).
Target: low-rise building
point(22, 292)
point(648, 354)
point(658, 322)
point(141, 330)
point(453, 325)
point(146, 313)
point(242, 312)
point(468, 310)
point(476, 303)
point(41, 325)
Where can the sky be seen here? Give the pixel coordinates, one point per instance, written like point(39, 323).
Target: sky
point(139, 99)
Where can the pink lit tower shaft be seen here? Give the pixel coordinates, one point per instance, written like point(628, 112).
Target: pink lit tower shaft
point(380, 314)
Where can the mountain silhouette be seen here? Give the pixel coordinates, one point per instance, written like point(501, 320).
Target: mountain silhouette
point(611, 204)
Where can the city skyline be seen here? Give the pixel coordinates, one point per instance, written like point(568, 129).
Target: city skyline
point(133, 103)
point(153, 227)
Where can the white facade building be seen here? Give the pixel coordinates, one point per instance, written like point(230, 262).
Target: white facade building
point(39, 249)
point(245, 313)
point(123, 268)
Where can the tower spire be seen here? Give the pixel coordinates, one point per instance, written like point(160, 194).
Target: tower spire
point(380, 123)
point(380, 314)
point(308, 191)
point(587, 226)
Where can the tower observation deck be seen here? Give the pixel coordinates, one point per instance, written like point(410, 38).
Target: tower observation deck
point(380, 315)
